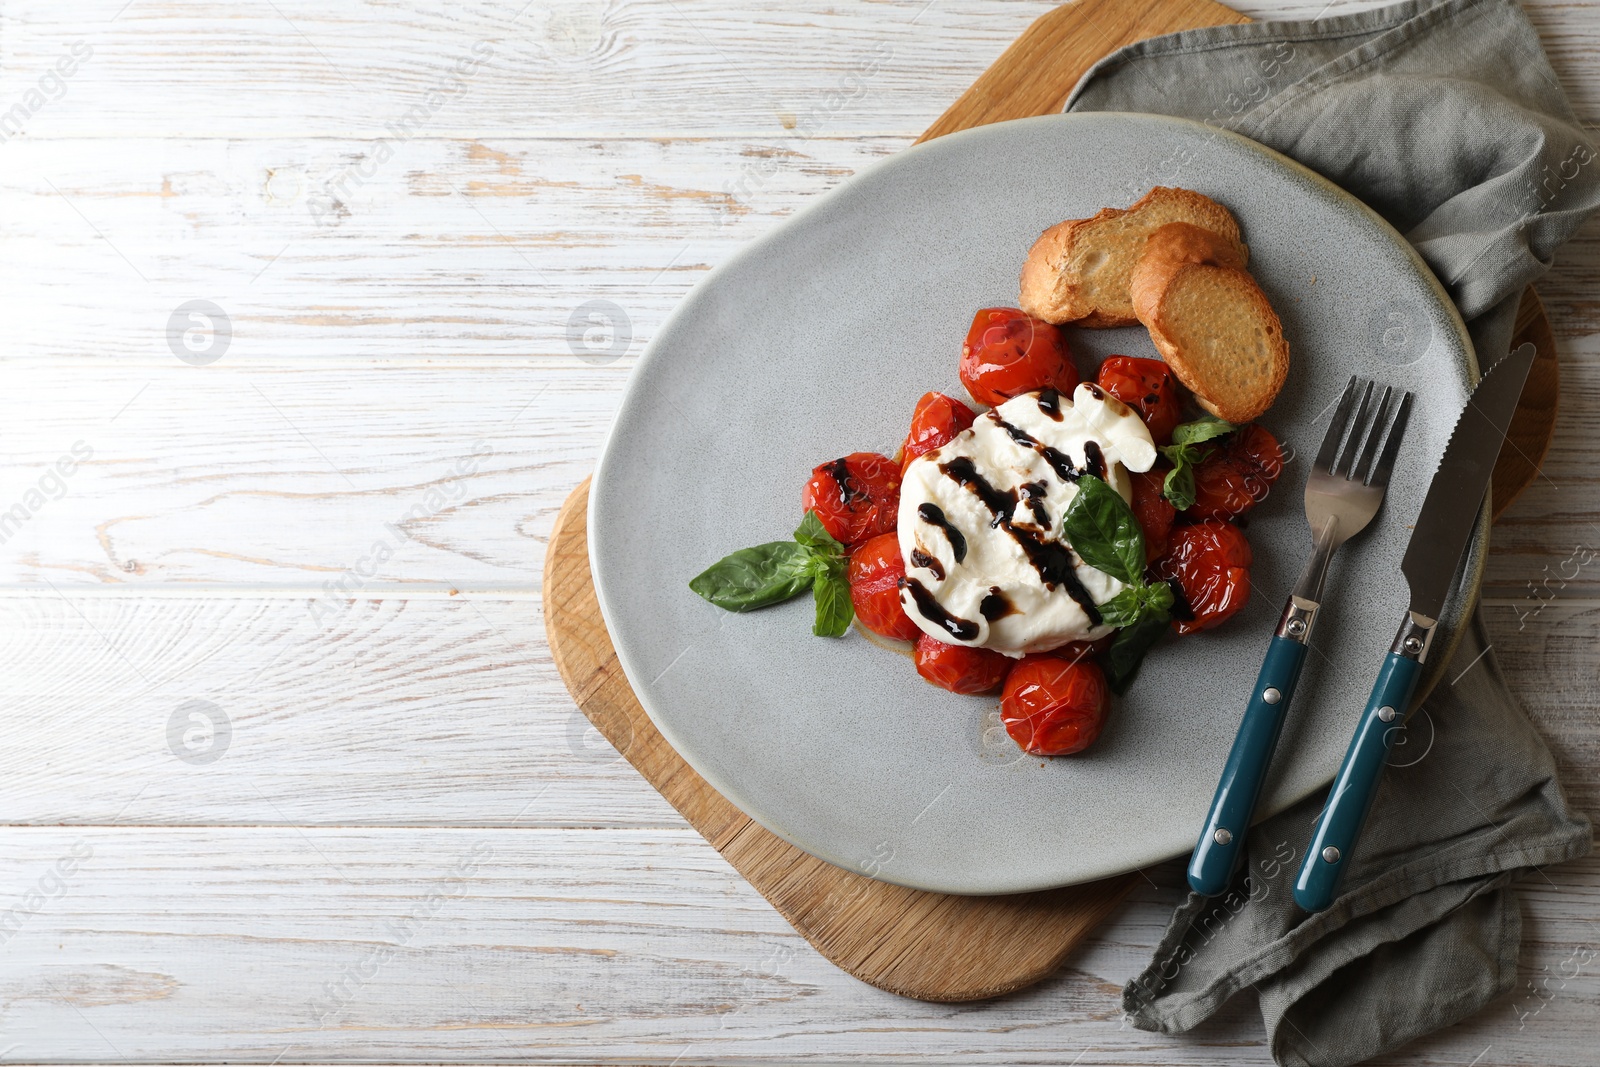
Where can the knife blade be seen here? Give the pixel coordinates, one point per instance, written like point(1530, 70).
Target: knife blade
point(1440, 537)
point(1450, 510)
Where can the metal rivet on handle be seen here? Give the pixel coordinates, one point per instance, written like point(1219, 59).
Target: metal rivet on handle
point(1222, 836)
point(1386, 713)
point(1271, 696)
point(1330, 854)
point(1297, 627)
point(1413, 645)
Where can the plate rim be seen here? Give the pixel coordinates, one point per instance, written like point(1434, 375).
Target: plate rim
point(1469, 585)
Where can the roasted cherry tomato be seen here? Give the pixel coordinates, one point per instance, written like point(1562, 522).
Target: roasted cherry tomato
point(935, 422)
point(1055, 706)
point(1237, 475)
point(1210, 564)
point(960, 669)
point(856, 496)
point(1154, 512)
point(875, 572)
point(1009, 353)
point(1148, 387)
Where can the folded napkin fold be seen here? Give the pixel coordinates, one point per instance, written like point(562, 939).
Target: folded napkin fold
point(1448, 120)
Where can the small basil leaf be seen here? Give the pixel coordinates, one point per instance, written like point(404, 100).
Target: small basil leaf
point(1101, 528)
point(1158, 599)
point(1178, 487)
point(834, 610)
point(1128, 649)
point(1178, 454)
point(1201, 429)
point(1124, 609)
point(813, 534)
point(756, 577)
point(1136, 603)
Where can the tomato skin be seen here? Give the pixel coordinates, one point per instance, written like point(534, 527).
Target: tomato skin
point(1008, 353)
point(1154, 512)
point(934, 423)
point(1238, 475)
point(1054, 706)
point(1149, 387)
point(856, 496)
point(1210, 563)
point(959, 668)
point(875, 573)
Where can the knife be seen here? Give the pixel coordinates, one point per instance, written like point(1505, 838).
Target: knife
point(1438, 540)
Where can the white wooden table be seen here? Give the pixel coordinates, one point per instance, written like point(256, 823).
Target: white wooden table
point(287, 774)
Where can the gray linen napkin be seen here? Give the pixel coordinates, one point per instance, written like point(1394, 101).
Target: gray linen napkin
point(1448, 120)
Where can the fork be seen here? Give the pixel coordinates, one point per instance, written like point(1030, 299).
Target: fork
point(1343, 494)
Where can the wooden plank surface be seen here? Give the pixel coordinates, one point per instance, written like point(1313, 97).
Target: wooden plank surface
point(631, 944)
point(174, 489)
point(398, 739)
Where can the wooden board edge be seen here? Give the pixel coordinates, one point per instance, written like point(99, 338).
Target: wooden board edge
point(1014, 86)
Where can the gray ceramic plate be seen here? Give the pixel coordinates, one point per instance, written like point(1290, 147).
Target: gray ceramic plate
point(818, 339)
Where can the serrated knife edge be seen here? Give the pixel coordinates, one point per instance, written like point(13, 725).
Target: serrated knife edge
point(1450, 509)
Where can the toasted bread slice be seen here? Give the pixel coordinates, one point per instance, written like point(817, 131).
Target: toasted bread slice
point(1078, 271)
point(1184, 242)
point(1211, 323)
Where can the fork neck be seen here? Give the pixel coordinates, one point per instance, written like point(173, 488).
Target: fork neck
point(1323, 541)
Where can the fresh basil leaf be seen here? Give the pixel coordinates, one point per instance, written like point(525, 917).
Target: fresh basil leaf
point(1158, 599)
point(834, 609)
point(813, 534)
point(1185, 454)
point(1178, 487)
point(1128, 650)
point(1136, 603)
point(1102, 530)
point(1201, 429)
point(1124, 609)
point(756, 577)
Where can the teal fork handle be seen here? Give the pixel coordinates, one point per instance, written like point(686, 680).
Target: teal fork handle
point(1351, 797)
point(1221, 842)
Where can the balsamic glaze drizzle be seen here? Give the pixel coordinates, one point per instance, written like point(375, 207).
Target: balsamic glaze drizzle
point(1033, 494)
point(841, 476)
point(933, 515)
point(996, 605)
point(1050, 404)
point(1059, 461)
point(1094, 460)
point(1000, 505)
point(1051, 559)
point(958, 628)
point(921, 559)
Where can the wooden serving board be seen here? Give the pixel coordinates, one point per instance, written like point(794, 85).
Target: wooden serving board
point(930, 946)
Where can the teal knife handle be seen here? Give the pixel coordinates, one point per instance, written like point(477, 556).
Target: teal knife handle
point(1222, 837)
point(1357, 783)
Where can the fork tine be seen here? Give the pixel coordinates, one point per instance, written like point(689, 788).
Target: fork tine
point(1361, 466)
point(1379, 478)
point(1337, 426)
point(1358, 425)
